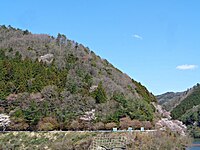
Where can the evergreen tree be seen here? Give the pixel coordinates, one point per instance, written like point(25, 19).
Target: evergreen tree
point(100, 94)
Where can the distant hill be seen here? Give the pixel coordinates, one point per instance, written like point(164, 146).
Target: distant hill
point(170, 100)
point(49, 83)
point(184, 106)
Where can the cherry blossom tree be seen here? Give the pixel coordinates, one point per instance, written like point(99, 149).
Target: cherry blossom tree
point(4, 121)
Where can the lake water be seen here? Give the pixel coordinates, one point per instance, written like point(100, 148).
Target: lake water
point(196, 141)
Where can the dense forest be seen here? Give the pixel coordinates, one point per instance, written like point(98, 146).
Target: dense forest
point(51, 83)
point(188, 103)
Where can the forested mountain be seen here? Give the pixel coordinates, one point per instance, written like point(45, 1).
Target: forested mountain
point(49, 83)
point(185, 106)
point(170, 100)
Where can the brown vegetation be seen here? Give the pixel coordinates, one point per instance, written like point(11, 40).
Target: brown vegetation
point(110, 126)
point(83, 140)
point(47, 124)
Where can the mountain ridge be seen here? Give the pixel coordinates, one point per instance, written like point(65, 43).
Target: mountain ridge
point(50, 83)
point(170, 100)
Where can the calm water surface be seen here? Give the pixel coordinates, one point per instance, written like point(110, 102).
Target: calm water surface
point(196, 141)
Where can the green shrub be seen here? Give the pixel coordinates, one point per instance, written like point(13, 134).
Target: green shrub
point(99, 94)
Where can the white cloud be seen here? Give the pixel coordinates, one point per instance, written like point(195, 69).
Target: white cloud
point(186, 67)
point(137, 36)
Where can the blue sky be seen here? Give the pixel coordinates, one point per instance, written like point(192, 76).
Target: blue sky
point(156, 42)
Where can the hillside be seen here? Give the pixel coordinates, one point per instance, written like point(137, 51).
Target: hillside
point(51, 83)
point(186, 107)
point(192, 100)
point(170, 100)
